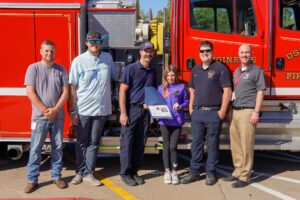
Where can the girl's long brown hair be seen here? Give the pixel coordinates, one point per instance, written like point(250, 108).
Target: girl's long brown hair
point(170, 68)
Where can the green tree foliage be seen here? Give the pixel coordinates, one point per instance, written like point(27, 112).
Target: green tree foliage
point(160, 15)
point(289, 21)
point(137, 6)
point(223, 24)
point(143, 15)
point(203, 18)
point(150, 14)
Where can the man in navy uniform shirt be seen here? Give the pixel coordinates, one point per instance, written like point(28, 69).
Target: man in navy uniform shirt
point(210, 94)
point(134, 117)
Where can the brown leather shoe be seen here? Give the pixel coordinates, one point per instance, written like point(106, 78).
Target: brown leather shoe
point(30, 187)
point(60, 183)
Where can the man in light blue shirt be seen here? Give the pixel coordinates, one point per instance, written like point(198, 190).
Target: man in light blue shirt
point(90, 103)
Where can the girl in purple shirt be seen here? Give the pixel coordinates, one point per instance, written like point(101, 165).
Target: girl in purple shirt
point(176, 96)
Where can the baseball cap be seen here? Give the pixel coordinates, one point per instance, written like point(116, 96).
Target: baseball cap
point(147, 45)
point(93, 36)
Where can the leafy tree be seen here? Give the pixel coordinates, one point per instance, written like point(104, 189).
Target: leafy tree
point(137, 6)
point(289, 18)
point(150, 14)
point(223, 24)
point(160, 15)
point(143, 15)
point(203, 18)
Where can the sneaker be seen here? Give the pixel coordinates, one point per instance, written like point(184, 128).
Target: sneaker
point(189, 179)
point(60, 183)
point(139, 180)
point(168, 177)
point(77, 179)
point(230, 178)
point(30, 187)
point(210, 179)
point(128, 180)
point(239, 184)
point(175, 179)
point(91, 179)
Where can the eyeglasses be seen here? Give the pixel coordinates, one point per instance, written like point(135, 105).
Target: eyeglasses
point(95, 41)
point(205, 50)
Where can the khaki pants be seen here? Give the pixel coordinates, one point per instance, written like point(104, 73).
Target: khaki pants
point(242, 138)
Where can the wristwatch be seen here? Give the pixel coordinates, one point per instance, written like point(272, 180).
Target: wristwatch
point(73, 112)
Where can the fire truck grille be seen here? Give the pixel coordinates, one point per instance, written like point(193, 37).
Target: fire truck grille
point(118, 25)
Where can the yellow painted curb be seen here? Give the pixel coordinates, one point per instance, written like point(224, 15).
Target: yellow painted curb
point(116, 189)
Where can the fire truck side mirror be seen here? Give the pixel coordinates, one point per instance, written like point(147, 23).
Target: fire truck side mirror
point(190, 63)
point(280, 63)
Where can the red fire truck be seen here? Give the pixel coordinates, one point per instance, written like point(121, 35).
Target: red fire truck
point(26, 23)
point(272, 27)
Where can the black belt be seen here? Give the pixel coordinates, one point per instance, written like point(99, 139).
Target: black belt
point(242, 108)
point(206, 108)
point(137, 105)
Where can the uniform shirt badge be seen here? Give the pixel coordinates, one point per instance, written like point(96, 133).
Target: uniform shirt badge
point(246, 76)
point(210, 74)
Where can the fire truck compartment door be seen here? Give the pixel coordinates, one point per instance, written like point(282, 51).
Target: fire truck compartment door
point(286, 73)
point(17, 52)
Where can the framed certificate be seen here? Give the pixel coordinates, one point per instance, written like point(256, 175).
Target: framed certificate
point(160, 112)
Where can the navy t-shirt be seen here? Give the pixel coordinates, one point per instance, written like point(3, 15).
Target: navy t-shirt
point(137, 77)
point(209, 83)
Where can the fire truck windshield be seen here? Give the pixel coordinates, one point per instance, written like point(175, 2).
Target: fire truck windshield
point(218, 16)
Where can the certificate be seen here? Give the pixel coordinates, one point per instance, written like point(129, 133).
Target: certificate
point(160, 112)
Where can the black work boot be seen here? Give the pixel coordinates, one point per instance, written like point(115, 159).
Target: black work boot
point(128, 180)
point(239, 184)
point(139, 180)
point(210, 179)
point(189, 179)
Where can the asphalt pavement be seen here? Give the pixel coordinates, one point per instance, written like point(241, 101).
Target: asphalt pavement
point(276, 176)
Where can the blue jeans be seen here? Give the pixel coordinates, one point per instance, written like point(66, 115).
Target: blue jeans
point(88, 134)
point(205, 125)
point(39, 135)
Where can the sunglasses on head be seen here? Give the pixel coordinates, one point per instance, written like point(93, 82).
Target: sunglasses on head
point(95, 41)
point(205, 50)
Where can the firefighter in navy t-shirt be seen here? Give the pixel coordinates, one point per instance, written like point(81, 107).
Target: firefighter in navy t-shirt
point(210, 94)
